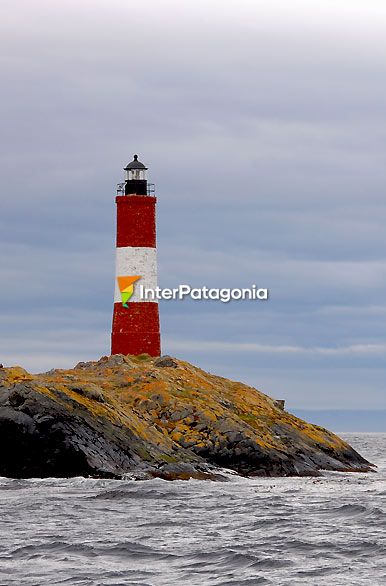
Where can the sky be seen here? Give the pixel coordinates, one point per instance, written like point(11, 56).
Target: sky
point(263, 127)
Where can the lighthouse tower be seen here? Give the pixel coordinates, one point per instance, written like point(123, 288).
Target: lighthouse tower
point(136, 328)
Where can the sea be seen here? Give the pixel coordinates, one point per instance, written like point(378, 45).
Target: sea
point(244, 532)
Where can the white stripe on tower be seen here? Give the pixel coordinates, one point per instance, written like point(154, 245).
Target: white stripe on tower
point(141, 261)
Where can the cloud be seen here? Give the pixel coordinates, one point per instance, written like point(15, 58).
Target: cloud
point(217, 346)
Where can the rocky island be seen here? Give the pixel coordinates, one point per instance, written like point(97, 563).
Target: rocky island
point(154, 418)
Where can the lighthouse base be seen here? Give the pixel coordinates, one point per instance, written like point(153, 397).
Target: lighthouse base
point(136, 329)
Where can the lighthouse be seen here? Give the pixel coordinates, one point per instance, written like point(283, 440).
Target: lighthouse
point(136, 328)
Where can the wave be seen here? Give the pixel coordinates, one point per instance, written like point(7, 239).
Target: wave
point(125, 549)
point(374, 514)
point(139, 493)
point(246, 582)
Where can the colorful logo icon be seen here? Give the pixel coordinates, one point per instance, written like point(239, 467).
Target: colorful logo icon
point(126, 287)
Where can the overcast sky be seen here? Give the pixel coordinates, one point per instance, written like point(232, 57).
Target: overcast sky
point(263, 126)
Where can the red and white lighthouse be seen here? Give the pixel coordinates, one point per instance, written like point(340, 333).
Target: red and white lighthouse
point(136, 328)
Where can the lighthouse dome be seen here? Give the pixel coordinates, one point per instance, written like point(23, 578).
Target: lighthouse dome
point(136, 177)
point(135, 164)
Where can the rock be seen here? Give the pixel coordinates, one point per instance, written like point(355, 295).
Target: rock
point(9, 418)
point(14, 374)
point(78, 366)
point(159, 399)
point(115, 360)
point(226, 425)
point(184, 471)
point(45, 438)
point(93, 420)
point(179, 414)
point(235, 436)
point(106, 362)
point(90, 391)
point(165, 362)
point(280, 404)
point(202, 427)
point(186, 441)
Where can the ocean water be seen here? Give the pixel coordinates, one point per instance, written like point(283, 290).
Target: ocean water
point(328, 530)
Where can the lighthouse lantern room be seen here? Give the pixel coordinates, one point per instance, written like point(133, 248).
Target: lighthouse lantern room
point(136, 177)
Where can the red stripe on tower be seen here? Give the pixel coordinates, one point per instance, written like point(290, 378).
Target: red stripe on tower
point(136, 328)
